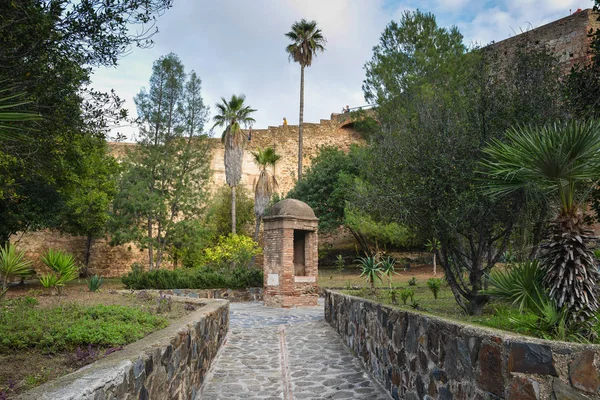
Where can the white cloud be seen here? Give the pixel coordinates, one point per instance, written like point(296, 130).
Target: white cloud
point(237, 46)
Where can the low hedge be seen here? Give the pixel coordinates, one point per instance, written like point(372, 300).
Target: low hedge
point(194, 278)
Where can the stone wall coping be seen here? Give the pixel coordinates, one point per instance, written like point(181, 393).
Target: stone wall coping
point(86, 380)
point(467, 328)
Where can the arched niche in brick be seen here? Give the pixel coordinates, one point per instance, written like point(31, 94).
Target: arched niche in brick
point(290, 255)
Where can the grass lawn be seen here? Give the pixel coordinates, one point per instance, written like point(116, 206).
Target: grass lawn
point(496, 315)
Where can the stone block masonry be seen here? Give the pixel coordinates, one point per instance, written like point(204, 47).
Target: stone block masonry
point(116, 261)
point(418, 356)
point(168, 364)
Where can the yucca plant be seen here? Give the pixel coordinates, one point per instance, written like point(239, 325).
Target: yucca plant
point(63, 268)
point(388, 268)
point(51, 281)
point(561, 162)
point(231, 114)
point(266, 184)
point(12, 264)
point(370, 269)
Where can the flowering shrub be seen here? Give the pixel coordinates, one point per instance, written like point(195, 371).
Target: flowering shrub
point(232, 252)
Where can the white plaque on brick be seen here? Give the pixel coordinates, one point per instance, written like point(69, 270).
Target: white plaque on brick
point(304, 279)
point(273, 280)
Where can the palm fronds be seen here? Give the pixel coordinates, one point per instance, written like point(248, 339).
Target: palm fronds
point(307, 40)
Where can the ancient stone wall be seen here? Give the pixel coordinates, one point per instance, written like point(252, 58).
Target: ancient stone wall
point(566, 38)
point(418, 356)
point(116, 261)
point(168, 364)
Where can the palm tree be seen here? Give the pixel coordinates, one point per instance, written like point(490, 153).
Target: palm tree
point(231, 114)
point(561, 162)
point(307, 40)
point(266, 183)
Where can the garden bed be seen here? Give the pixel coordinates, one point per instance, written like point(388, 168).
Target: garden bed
point(49, 336)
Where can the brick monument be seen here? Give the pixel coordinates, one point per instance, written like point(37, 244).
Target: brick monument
point(290, 255)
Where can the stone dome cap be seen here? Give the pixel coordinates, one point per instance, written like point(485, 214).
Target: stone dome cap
point(291, 208)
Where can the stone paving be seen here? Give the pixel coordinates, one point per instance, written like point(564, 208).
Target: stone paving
point(274, 353)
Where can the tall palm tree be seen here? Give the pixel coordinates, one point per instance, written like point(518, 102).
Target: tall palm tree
point(307, 40)
point(266, 183)
point(231, 114)
point(560, 161)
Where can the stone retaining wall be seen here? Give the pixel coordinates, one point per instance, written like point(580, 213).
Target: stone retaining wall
point(167, 364)
point(417, 356)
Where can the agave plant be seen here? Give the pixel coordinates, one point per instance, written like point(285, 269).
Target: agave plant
point(561, 162)
point(370, 269)
point(12, 264)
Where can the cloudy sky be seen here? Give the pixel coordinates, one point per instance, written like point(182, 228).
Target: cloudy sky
point(237, 46)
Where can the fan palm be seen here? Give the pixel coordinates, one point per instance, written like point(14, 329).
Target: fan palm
point(561, 162)
point(266, 183)
point(231, 114)
point(307, 40)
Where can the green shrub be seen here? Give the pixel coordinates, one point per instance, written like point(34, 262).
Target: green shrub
point(194, 278)
point(232, 252)
point(94, 283)
point(218, 215)
point(434, 284)
point(412, 281)
point(406, 294)
point(22, 326)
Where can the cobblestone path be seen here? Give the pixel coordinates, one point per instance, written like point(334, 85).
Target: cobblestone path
point(285, 354)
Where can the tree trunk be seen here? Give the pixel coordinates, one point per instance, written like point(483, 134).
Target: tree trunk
point(434, 265)
point(258, 218)
point(86, 256)
point(150, 256)
point(300, 123)
point(233, 221)
point(360, 239)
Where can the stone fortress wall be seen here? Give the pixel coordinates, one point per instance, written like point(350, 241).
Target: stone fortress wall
point(114, 261)
point(566, 38)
